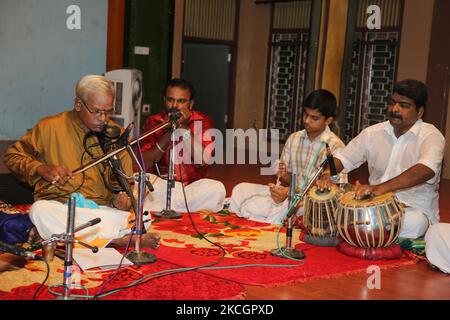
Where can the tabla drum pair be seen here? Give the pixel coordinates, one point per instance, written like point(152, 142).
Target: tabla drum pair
point(371, 223)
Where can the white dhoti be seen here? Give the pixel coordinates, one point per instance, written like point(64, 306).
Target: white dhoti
point(253, 201)
point(437, 246)
point(414, 224)
point(203, 194)
point(50, 217)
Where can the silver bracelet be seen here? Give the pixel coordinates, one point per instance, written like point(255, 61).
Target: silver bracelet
point(159, 148)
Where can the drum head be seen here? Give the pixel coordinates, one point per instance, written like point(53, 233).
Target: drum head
point(326, 195)
point(348, 199)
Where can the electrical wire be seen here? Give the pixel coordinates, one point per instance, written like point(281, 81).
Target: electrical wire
point(119, 266)
point(308, 173)
point(100, 294)
point(175, 271)
point(43, 282)
point(210, 266)
point(58, 294)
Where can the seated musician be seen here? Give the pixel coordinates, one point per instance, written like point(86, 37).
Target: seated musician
point(48, 153)
point(404, 156)
point(437, 247)
point(302, 155)
point(201, 192)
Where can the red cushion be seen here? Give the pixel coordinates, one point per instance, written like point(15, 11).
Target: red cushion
point(393, 251)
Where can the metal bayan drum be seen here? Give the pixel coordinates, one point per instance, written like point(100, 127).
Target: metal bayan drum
point(370, 223)
point(319, 217)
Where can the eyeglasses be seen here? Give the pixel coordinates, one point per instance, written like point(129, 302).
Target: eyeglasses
point(98, 113)
point(392, 102)
point(173, 100)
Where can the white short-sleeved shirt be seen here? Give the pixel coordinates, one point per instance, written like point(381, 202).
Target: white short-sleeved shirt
point(389, 156)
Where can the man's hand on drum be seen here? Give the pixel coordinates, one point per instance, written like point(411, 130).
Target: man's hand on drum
point(324, 182)
point(363, 191)
point(57, 175)
point(278, 193)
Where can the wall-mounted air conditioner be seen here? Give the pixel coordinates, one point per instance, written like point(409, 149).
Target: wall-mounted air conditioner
point(128, 102)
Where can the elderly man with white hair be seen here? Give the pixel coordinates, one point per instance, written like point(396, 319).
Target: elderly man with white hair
point(57, 145)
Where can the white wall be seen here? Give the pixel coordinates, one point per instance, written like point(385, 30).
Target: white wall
point(41, 60)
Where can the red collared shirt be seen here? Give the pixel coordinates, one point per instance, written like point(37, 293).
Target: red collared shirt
point(189, 172)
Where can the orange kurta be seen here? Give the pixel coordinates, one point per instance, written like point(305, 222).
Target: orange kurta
point(58, 140)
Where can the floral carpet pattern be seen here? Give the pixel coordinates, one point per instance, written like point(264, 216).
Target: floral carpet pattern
point(241, 256)
point(249, 243)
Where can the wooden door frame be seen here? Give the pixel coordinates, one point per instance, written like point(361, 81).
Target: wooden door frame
point(438, 74)
point(116, 35)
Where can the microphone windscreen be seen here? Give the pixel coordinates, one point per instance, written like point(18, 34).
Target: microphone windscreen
point(111, 132)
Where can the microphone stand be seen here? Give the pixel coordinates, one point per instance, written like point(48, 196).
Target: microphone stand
point(117, 169)
point(300, 196)
point(137, 256)
point(69, 249)
point(69, 239)
point(141, 256)
point(62, 236)
point(292, 209)
point(169, 213)
point(288, 250)
point(107, 145)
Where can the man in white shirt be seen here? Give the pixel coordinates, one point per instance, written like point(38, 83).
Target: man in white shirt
point(404, 156)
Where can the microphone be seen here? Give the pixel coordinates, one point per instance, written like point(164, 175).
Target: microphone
point(111, 132)
point(123, 139)
point(334, 176)
point(18, 251)
point(114, 162)
point(61, 235)
point(88, 224)
point(110, 136)
point(174, 114)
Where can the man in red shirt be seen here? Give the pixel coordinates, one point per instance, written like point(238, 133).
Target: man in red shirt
point(204, 193)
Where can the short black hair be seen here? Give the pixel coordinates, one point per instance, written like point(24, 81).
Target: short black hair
point(183, 84)
point(323, 101)
point(414, 90)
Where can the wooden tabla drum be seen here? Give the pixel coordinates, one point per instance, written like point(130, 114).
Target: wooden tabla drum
point(319, 216)
point(371, 223)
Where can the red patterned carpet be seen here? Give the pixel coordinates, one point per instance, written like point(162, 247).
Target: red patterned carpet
point(22, 284)
point(247, 246)
point(249, 243)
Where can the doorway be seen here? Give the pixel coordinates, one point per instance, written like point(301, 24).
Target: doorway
point(207, 67)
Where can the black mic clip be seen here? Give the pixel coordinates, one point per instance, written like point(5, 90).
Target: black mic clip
point(110, 137)
point(174, 114)
point(122, 141)
point(334, 176)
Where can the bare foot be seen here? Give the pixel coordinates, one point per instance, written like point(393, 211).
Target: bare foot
point(33, 238)
point(151, 240)
point(148, 240)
